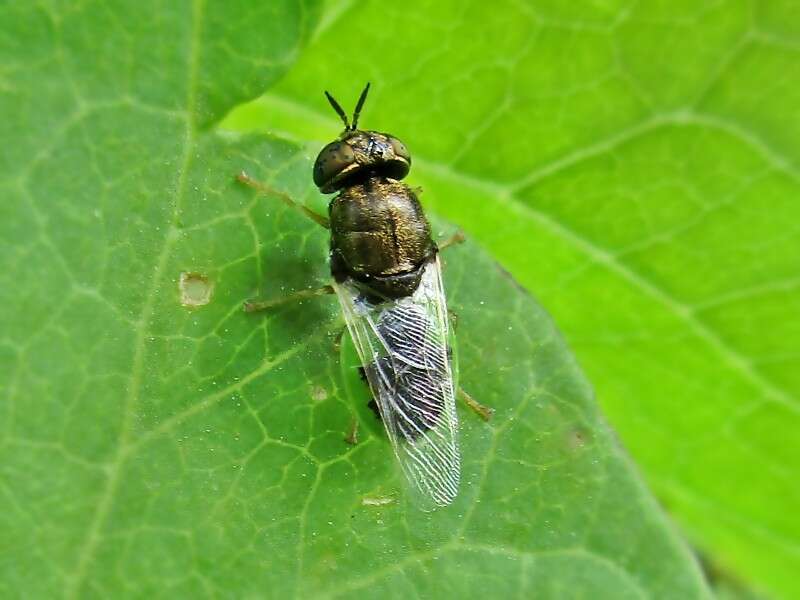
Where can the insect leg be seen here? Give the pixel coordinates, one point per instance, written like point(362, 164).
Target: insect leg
point(484, 412)
point(453, 315)
point(337, 341)
point(372, 404)
point(262, 188)
point(453, 240)
point(256, 305)
point(352, 435)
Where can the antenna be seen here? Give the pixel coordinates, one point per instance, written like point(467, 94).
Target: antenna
point(338, 109)
point(359, 105)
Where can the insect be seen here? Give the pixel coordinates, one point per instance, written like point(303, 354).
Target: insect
point(387, 276)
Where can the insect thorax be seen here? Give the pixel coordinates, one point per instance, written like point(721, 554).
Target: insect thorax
point(380, 236)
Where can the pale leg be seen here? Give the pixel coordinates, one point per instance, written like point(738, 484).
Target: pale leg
point(284, 197)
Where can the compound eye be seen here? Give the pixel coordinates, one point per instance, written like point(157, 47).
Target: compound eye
point(400, 149)
point(331, 161)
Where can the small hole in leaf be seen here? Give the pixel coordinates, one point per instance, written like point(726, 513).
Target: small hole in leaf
point(195, 289)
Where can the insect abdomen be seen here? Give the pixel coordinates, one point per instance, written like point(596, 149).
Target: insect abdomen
point(415, 369)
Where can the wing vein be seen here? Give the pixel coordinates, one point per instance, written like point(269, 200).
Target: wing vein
point(403, 347)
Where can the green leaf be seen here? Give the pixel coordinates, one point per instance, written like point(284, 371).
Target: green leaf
point(635, 165)
point(157, 441)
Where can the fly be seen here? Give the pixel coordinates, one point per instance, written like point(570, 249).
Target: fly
point(387, 277)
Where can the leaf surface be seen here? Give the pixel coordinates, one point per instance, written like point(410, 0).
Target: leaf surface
point(156, 441)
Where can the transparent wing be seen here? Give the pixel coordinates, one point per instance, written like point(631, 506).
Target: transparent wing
point(403, 346)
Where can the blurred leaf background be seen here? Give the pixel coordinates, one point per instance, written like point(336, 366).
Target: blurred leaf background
point(632, 164)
